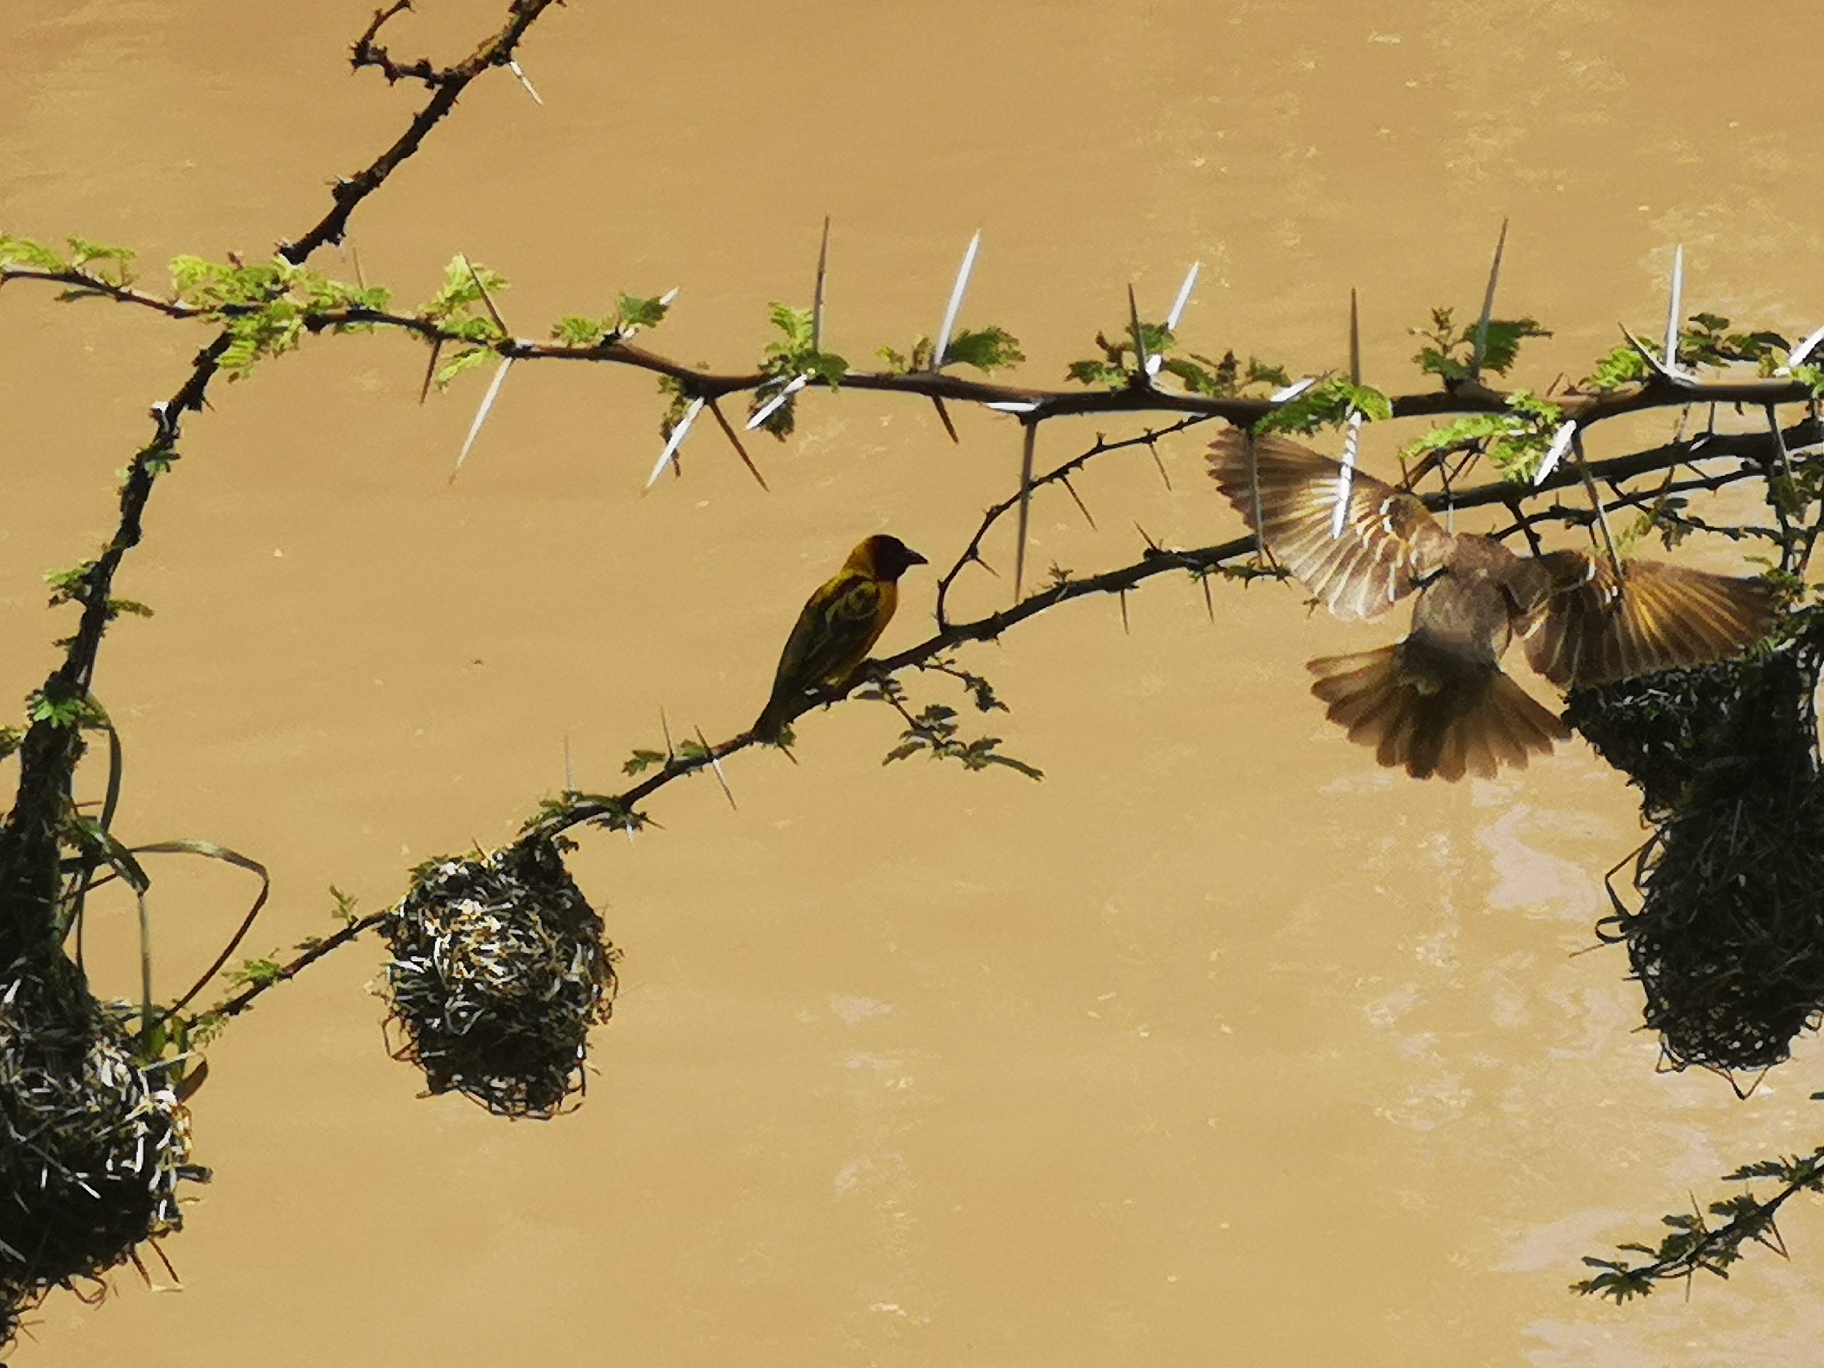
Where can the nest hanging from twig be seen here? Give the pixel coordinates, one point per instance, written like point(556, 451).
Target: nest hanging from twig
point(499, 969)
point(1662, 729)
point(1728, 941)
point(94, 1144)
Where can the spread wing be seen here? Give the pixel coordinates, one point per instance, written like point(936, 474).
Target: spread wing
point(1288, 494)
point(1586, 628)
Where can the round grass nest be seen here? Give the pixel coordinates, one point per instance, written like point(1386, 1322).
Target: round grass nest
point(94, 1144)
point(499, 969)
point(1661, 729)
point(1728, 940)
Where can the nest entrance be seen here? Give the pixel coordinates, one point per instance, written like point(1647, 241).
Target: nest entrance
point(95, 1144)
point(1728, 939)
point(499, 969)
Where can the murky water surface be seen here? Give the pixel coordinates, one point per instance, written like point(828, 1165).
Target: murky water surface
point(1219, 1045)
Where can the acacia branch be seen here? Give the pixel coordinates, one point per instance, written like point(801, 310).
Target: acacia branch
point(365, 52)
point(32, 833)
point(1693, 1247)
point(1057, 475)
point(1035, 403)
point(83, 285)
point(446, 85)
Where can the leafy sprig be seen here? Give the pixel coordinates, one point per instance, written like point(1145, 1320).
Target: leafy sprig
point(1516, 439)
point(1694, 1245)
point(631, 313)
point(463, 305)
point(1449, 351)
point(1327, 403)
point(35, 256)
point(1119, 365)
point(266, 307)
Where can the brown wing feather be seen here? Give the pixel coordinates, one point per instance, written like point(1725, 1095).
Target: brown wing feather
point(1389, 540)
point(1664, 617)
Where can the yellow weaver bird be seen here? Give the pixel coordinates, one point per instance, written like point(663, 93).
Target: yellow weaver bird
point(838, 626)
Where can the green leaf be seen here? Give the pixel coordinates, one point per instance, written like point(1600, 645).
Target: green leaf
point(1516, 439)
point(1096, 373)
point(83, 251)
point(643, 760)
point(987, 349)
point(257, 972)
point(575, 331)
point(461, 297)
point(10, 739)
point(465, 360)
point(1449, 350)
point(1504, 338)
point(59, 712)
point(1328, 402)
point(639, 312)
point(18, 251)
point(68, 586)
point(1622, 366)
point(795, 324)
point(897, 364)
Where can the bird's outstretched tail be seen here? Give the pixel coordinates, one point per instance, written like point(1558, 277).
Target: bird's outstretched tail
point(1430, 715)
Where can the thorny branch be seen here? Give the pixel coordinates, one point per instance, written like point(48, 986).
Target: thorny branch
point(1694, 1246)
point(446, 86)
point(33, 830)
point(365, 52)
point(1057, 475)
point(1754, 452)
point(1035, 403)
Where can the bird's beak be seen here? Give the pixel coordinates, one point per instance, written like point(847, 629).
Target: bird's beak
point(913, 558)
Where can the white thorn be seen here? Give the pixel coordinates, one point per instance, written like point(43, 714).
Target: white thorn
point(1675, 306)
point(513, 67)
point(956, 301)
point(1805, 348)
point(772, 406)
point(678, 434)
point(1561, 443)
point(1184, 297)
point(1291, 391)
point(669, 295)
point(1346, 476)
point(481, 414)
point(1012, 405)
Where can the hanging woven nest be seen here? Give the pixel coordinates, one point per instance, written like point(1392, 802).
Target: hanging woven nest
point(499, 969)
point(94, 1144)
point(1728, 940)
point(1661, 729)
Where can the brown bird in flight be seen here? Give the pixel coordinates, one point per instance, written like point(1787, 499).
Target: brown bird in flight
point(1438, 702)
point(838, 626)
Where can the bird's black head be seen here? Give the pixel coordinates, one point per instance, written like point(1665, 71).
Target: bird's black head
point(887, 557)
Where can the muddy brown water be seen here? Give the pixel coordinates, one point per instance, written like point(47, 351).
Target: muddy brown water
point(1219, 1045)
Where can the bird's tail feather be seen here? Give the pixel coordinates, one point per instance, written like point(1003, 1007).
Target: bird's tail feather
point(772, 722)
point(1450, 725)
